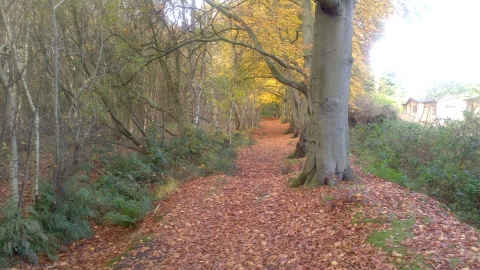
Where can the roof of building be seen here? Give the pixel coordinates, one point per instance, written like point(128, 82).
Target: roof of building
point(433, 100)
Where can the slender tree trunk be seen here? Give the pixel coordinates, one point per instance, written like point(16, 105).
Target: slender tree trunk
point(234, 85)
point(214, 109)
point(163, 128)
point(229, 124)
point(239, 116)
point(10, 119)
point(198, 98)
point(328, 143)
point(36, 127)
point(198, 88)
point(295, 120)
point(33, 108)
point(36, 146)
point(254, 110)
point(55, 96)
point(58, 160)
point(13, 157)
point(283, 111)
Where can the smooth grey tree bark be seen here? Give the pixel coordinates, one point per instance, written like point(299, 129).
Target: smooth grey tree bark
point(13, 156)
point(327, 128)
point(307, 29)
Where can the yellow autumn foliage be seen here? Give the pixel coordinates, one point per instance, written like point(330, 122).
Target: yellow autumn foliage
point(266, 98)
point(277, 25)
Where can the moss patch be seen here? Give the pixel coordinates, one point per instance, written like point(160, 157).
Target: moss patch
point(390, 241)
point(328, 198)
point(357, 219)
point(454, 262)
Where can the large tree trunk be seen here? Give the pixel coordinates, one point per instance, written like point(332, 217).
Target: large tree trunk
point(327, 130)
point(307, 30)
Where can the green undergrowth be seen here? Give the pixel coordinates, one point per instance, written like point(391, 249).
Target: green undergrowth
point(201, 153)
point(440, 161)
point(122, 195)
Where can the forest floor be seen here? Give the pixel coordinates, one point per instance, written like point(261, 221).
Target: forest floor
point(252, 220)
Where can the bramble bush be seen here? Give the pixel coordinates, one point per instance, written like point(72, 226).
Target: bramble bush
point(441, 161)
point(372, 109)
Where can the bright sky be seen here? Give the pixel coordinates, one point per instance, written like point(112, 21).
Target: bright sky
point(442, 44)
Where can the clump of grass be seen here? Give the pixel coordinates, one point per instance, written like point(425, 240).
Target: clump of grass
point(164, 190)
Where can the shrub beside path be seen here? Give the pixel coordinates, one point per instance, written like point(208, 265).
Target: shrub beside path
point(252, 220)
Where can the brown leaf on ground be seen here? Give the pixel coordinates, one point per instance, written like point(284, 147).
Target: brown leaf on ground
point(253, 221)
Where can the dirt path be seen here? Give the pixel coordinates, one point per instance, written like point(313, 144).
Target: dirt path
point(253, 221)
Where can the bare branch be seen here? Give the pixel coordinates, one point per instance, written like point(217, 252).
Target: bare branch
point(58, 5)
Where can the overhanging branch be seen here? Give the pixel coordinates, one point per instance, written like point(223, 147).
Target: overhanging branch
point(268, 58)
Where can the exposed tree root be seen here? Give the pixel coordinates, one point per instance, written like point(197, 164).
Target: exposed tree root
point(320, 178)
